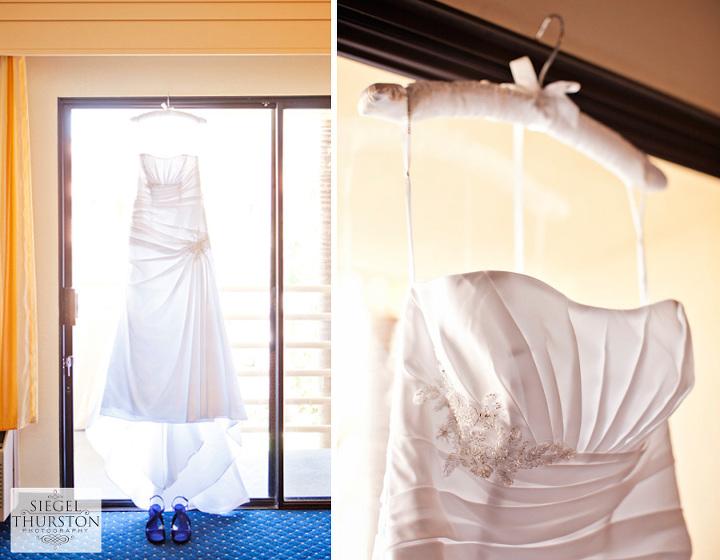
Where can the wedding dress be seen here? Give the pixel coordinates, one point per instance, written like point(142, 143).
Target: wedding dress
point(526, 426)
point(167, 421)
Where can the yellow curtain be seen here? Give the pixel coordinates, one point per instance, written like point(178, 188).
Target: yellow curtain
point(18, 313)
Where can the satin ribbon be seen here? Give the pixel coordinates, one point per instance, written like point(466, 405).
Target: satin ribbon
point(552, 99)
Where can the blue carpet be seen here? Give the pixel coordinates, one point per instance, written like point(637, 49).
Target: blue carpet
point(240, 535)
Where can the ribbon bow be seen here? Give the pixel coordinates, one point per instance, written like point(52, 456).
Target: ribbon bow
point(552, 100)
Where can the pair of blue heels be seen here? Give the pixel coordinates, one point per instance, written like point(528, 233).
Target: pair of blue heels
point(155, 527)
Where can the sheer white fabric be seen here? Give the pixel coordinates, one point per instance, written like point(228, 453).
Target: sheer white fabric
point(168, 419)
point(527, 426)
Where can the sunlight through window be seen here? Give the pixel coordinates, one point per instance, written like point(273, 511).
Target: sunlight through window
point(236, 169)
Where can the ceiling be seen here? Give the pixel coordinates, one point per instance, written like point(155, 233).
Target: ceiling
point(667, 45)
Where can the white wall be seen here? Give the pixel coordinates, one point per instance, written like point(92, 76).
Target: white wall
point(52, 77)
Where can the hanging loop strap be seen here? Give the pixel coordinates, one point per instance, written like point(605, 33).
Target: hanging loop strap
point(408, 192)
point(518, 218)
point(518, 208)
point(637, 208)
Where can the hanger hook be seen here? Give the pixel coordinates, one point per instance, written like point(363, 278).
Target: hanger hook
point(539, 34)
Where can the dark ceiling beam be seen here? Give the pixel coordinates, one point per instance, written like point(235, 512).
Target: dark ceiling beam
point(424, 39)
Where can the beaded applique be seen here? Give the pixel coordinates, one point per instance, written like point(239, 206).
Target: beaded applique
point(197, 246)
point(481, 441)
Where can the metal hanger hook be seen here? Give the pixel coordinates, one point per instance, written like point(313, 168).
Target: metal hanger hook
point(561, 35)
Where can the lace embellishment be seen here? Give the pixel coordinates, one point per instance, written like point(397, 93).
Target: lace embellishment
point(482, 442)
point(198, 245)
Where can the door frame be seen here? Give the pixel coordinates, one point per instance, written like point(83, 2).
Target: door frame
point(68, 304)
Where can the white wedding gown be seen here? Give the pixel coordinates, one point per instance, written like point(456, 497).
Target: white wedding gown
point(168, 419)
point(526, 426)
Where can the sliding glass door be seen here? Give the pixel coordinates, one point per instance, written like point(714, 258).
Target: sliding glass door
point(265, 172)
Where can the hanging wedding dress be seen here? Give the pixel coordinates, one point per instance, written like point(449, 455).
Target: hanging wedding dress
point(167, 421)
point(526, 426)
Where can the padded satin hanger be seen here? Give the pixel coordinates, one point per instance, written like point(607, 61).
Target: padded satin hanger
point(546, 109)
point(167, 111)
point(525, 104)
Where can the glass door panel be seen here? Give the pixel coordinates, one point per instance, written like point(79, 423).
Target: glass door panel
point(236, 166)
point(307, 301)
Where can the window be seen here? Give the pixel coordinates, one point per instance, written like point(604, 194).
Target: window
point(265, 172)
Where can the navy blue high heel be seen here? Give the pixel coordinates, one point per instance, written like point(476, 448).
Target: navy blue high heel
point(155, 527)
point(181, 530)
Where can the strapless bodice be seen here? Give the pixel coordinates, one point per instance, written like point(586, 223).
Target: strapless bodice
point(527, 425)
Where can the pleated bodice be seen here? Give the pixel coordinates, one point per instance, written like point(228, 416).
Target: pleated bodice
point(528, 426)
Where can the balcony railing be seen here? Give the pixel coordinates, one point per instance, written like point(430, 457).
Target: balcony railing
point(321, 370)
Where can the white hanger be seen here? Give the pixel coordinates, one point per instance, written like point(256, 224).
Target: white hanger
point(525, 102)
point(167, 111)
